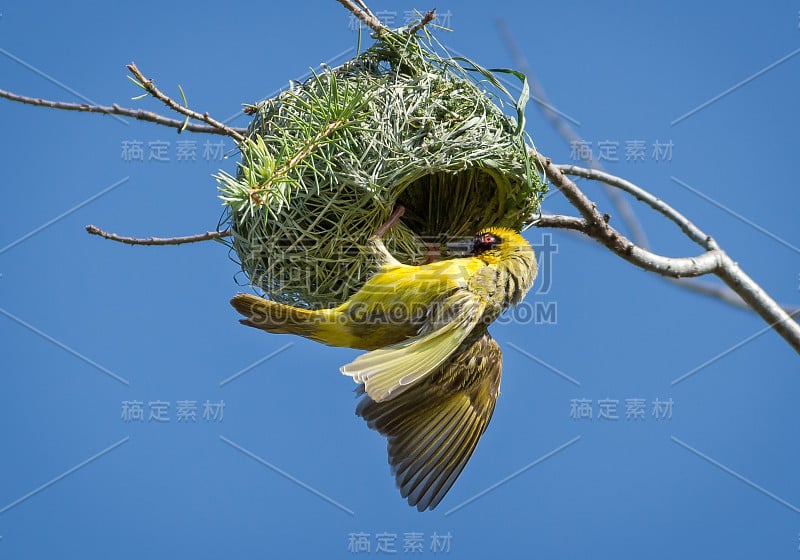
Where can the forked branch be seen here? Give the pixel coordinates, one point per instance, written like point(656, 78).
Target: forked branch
point(712, 261)
point(151, 88)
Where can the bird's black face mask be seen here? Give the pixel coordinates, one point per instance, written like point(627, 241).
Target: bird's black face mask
point(483, 242)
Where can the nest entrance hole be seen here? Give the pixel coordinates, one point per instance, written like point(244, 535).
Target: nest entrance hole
point(442, 206)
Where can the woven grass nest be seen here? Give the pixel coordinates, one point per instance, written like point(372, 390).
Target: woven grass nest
point(326, 161)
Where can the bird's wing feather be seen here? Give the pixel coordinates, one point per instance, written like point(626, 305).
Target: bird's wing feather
point(387, 372)
point(433, 428)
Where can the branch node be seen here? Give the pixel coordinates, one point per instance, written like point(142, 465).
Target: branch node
point(429, 16)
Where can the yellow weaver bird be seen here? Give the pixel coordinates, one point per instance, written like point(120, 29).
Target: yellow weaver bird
point(432, 373)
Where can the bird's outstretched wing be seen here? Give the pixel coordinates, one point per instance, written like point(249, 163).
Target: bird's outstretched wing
point(389, 371)
point(433, 428)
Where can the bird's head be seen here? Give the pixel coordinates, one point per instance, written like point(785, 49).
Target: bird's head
point(497, 243)
point(508, 250)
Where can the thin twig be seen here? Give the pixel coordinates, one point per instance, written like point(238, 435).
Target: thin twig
point(721, 292)
point(692, 231)
point(207, 236)
point(363, 6)
point(427, 18)
point(755, 296)
point(558, 221)
point(178, 108)
point(115, 109)
point(365, 15)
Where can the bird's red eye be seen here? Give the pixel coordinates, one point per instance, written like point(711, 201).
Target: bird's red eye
point(484, 241)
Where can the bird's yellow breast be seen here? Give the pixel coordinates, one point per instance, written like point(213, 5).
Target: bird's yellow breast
point(393, 304)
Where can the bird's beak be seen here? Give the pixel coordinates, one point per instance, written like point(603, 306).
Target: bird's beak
point(459, 248)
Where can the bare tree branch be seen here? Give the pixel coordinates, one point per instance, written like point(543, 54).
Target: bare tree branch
point(755, 296)
point(115, 109)
point(713, 261)
point(597, 227)
point(359, 9)
point(557, 221)
point(178, 108)
point(692, 231)
point(364, 7)
point(363, 13)
point(94, 230)
point(426, 19)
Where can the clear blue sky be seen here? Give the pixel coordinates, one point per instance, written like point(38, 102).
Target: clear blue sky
point(719, 478)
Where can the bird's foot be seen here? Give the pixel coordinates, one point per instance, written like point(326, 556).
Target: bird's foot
point(377, 243)
point(398, 212)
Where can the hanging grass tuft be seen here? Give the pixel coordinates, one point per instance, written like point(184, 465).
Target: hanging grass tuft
point(325, 162)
